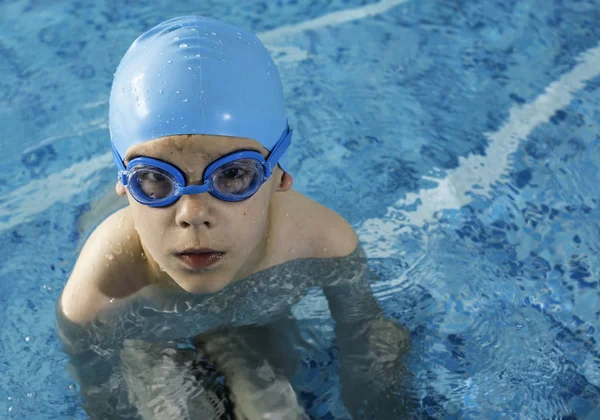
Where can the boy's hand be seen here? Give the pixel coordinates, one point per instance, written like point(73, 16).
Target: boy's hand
point(256, 390)
point(273, 399)
point(372, 374)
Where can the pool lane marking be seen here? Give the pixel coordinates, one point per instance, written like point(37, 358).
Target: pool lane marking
point(331, 19)
point(97, 124)
point(378, 235)
point(38, 195)
point(291, 54)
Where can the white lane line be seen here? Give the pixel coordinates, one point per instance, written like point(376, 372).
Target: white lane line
point(97, 124)
point(379, 234)
point(95, 104)
point(291, 54)
point(288, 54)
point(330, 19)
point(37, 196)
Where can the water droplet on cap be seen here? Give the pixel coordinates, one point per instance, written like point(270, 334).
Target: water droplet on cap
point(183, 45)
point(213, 33)
point(185, 100)
point(169, 61)
point(189, 68)
point(160, 91)
point(176, 38)
point(177, 92)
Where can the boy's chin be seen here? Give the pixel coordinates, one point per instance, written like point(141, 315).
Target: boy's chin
point(203, 285)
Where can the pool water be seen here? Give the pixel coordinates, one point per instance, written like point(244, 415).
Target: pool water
point(460, 139)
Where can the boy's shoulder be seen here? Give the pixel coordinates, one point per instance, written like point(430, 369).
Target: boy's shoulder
point(307, 229)
point(105, 269)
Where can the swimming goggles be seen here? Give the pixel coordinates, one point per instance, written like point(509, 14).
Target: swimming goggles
point(233, 177)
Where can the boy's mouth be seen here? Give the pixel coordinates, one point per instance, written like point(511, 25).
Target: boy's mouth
point(200, 258)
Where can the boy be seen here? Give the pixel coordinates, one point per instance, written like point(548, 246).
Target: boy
point(214, 248)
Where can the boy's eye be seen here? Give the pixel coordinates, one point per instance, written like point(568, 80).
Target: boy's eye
point(234, 172)
point(152, 177)
point(154, 184)
point(236, 177)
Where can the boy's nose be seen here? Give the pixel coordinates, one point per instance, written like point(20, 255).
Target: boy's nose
point(195, 210)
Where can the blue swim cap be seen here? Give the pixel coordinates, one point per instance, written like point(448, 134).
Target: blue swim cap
point(196, 75)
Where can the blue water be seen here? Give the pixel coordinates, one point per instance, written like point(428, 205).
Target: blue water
point(459, 138)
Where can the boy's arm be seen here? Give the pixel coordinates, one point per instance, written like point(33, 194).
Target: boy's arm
point(370, 345)
point(94, 363)
point(93, 345)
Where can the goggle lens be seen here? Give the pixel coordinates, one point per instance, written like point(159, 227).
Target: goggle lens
point(238, 178)
point(152, 183)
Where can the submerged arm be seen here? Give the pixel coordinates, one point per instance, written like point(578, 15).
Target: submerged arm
point(371, 346)
point(94, 364)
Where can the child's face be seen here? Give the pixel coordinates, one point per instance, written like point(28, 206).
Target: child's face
point(237, 229)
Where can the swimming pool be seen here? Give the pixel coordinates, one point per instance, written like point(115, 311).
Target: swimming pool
point(459, 138)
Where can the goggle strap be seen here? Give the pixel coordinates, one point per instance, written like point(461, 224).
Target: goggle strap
point(279, 149)
point(119, 162)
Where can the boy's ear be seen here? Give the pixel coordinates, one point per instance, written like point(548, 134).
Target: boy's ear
point(121, 190)
point(285, 182)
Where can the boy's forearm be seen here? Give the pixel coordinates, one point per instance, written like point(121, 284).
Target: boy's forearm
point(371, 347)
point(100, 387)
point(95, 368)
point(351, 301)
